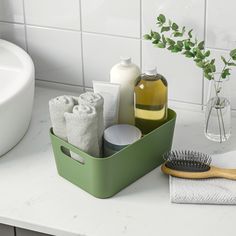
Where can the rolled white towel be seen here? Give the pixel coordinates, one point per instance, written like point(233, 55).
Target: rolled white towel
point(81, 126)
point(96, 100)
point(57, 107)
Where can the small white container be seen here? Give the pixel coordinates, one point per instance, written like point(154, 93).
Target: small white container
point(118, 137)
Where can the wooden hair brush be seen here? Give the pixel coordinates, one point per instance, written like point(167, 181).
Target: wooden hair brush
point(193, 165)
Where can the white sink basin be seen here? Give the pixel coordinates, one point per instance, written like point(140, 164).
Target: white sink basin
point(16, 94)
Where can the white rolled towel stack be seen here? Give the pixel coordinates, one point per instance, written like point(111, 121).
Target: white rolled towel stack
point(57, 108)
point(82, 129)
point(95, 100)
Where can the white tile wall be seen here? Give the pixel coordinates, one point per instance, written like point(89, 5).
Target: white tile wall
point(101, 52)
point(56, 54)
point(54, 13)
point(77, 41)
point(221, 24)
point(14, 33)
point(184, 12)
point(118, 17)
point(11, 11)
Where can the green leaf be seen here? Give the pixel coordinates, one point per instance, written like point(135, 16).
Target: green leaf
point(188, 54)
point(183, 30)
point(177, 34)
point(163, 39)
point(176, 49)
point(201, 45)
point(212, 61)
point(213, 68)
point(225, 73)
point(170, 41)
point(199, 54)
point(208, 76)
point(197, 59)
point(191, 44)
point(231, 64)
point(152, 33)
point(156, 35)
point(161, 45)
point(186, 45)
point(200, 64)
point(180, 44)
point(161, 18)
point(224, 60)
point(171, 47)
point(207, 53)
point(170, 23)
point(190, 33)
point(174, 26)
point(147, 37)
point(209, 68)
point(165, 28)
point(233, 53)
point(156, 41)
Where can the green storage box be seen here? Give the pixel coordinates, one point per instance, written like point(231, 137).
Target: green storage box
point(104, 177)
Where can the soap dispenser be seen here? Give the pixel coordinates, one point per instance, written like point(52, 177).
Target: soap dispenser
point(151, 96)
point(125, 73)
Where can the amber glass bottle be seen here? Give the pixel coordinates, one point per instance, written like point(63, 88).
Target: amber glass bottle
point(151, 96)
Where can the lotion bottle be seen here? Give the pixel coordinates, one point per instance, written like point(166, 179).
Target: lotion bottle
point(125, 73)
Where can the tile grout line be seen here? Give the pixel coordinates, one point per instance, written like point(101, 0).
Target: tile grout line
point(74, 30)
point(25, 27)
point(86, 87)
point(81, 45)
point(141, 32)
point(204, 35)
point(58, 83)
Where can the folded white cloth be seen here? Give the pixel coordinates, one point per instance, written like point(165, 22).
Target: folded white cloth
point(111, 95)
point(81, 127)
point(206, 191)
point(96, 100)
point(57, 107)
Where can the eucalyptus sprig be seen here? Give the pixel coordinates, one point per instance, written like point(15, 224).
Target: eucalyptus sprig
point(177, 40)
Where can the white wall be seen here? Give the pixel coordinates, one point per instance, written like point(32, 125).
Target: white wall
point(77, 41)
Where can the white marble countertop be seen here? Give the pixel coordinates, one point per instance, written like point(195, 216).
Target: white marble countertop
point(34, 197)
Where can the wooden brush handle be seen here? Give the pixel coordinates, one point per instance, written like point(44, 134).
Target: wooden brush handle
point(223, 173)
point(214, 172)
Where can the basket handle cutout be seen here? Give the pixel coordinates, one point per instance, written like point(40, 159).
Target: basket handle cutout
point(73, 155)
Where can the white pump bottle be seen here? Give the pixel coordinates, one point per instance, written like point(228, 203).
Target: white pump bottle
point(125, 73)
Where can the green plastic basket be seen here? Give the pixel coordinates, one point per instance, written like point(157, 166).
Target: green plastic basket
point(104, 177)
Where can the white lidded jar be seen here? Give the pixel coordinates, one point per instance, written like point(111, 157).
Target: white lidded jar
point(125, 73)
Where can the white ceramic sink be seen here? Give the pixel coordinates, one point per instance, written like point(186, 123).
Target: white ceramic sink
point(16, 94)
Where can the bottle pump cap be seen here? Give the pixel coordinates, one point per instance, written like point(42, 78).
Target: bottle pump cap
point(152, 71)
point(125, 61)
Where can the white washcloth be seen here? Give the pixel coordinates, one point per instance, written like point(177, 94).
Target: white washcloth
point(111, 95)
point(96, 100)
point(57, 107)
point(81, 126)
point(206, 191)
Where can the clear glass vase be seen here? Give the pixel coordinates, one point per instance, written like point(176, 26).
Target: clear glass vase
point(218, 111)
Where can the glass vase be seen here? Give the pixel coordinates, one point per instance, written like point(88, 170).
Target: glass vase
point(218, 111)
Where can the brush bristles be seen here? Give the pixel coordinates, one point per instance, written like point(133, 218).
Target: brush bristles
point(187, 161)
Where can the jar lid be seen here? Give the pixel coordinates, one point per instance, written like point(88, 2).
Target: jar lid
point(122, 134)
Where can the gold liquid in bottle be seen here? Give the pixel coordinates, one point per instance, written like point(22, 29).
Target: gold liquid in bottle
point(150, 101)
